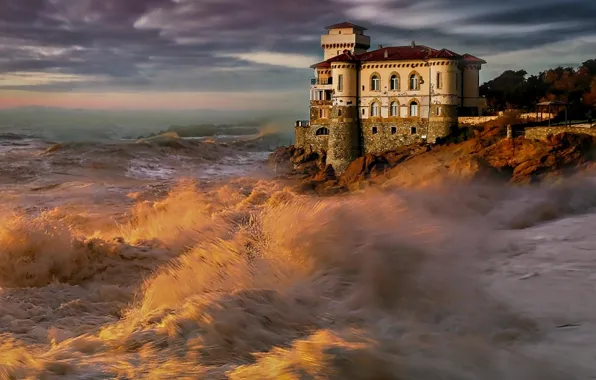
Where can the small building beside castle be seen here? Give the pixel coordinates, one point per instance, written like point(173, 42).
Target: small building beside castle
point(365, 101)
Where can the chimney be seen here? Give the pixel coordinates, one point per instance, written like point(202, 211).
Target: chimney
point(386, 53)
point(413, 44)
point(380, 46)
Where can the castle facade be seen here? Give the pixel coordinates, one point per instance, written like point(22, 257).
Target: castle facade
point(365, 101)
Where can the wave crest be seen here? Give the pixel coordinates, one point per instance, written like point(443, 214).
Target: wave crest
point(35, 252)
point(267, 283)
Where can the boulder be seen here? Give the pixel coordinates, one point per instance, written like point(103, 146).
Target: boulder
point(298, 161)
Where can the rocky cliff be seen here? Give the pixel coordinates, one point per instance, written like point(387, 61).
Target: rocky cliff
point(486, 154)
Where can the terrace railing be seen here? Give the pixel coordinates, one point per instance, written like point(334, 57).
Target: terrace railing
point(321, 81)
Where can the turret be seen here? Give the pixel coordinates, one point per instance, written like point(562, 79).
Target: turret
point(471, 84)
point(344, 135)
point(344, 36)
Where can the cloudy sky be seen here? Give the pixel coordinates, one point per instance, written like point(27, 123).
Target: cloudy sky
point(240, 54)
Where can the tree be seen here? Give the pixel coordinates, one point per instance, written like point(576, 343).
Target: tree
point(589, 67)
point(501, 91)
point(514, 89)
point(590, 96)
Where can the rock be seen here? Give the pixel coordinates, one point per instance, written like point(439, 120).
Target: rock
point(363, 167)
point(327, 174)
point(298, 160)
point(282, 154)
point(531, 161)
point(487, 156)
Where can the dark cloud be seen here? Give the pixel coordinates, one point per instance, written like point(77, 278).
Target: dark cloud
point(190, 45)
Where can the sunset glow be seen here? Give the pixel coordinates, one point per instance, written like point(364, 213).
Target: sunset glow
point(153, 100)
point(176, 54)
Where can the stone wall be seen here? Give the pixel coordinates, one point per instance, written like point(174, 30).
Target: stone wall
point(378, 135)
point(390, 134)
point(477, 120)
point(534, 116)
point(343, 145)
point(306, 136)
point(382, 135)
point(300, 136)
point(438, 129)
point(541, 133)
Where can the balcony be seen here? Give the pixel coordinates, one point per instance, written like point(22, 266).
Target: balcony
point(321, 81)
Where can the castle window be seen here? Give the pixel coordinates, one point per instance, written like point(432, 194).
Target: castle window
point(393, 130)
point(394, 110)
point(338, 112)
point(413, 109)
point(375, 130)
point(394, 85)
point(413, 130)
point(340, 83)
point(322, 132)
point(375, 83)
point(414, 82)
point(322, 113)
point(363, 112)
point(374, 110)
point(439, 80)
point(438, 111)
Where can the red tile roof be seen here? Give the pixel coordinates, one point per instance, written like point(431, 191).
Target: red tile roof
point(399, 53)
point(345, 57)
point(471, 58)
point(345, 25)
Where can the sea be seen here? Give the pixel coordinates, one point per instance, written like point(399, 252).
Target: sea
point(171, 258)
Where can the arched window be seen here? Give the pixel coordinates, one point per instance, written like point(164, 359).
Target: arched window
point(375, 110)
point(413, 109)
point(394, 82)
point(322, 132)
point(414, 82)
point(375, 83)
point(394, 109)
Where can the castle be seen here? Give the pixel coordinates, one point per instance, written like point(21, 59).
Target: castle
point(365, 101)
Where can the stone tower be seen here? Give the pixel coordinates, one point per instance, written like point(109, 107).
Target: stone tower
point(344, 36)
point(344, 132)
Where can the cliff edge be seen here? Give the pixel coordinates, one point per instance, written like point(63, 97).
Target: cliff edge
point(486, 154)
